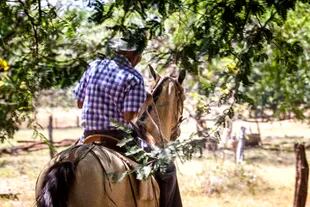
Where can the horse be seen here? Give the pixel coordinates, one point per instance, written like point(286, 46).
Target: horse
point(87, 175)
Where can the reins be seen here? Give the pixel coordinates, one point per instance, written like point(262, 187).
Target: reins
point(156, 120)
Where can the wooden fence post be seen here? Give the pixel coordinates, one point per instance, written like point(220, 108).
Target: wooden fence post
point(302, 174)
point(77, 121)
point(50, 135)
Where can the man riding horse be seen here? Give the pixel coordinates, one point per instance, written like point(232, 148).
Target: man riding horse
point(113, 91)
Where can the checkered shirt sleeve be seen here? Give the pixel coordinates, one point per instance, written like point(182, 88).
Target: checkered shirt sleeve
point(135, 97)
point(80, 89)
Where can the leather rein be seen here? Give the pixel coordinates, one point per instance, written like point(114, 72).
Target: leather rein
point(178, 115)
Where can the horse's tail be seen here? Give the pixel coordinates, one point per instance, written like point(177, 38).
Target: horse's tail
point(55, 187)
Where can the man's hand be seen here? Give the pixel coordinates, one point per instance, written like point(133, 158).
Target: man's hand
point(79, 104)
point(150, 139)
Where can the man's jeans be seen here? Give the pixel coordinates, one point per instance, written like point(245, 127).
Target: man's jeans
point(169, 189)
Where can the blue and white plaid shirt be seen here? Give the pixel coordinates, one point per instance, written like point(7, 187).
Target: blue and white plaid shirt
point(108, 89)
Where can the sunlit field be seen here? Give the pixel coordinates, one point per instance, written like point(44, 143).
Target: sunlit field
point(265, 179)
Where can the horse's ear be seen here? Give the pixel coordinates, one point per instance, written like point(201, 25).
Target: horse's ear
point(181, 76)
point(154, 73)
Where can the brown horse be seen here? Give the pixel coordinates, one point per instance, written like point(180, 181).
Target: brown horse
point(86, 175)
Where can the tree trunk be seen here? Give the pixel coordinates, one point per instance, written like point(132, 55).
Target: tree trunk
point(302, 174)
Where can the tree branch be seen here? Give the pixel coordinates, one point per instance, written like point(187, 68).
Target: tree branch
point(33, 24)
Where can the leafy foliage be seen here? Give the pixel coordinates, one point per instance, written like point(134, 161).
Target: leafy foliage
point(152, 159)
point(199, 35)
point(282, 80)
point(42, 50)
point(239, 51)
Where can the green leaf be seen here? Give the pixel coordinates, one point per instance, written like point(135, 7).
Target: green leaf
point(125, 141)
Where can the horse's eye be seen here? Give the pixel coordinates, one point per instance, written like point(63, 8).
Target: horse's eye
point(181, 118)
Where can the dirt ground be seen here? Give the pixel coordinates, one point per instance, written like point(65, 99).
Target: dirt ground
point(265, 179)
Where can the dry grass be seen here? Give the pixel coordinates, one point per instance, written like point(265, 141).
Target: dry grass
point(18, 176)
point(266, 179)
point(263, 182)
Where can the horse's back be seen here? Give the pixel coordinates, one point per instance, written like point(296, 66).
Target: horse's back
point(96, 181)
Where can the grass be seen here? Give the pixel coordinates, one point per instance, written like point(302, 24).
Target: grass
point(18, 176)
point(266, 179)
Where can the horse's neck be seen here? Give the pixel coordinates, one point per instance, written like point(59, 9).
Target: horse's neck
point(166, 110)
point(160, 123)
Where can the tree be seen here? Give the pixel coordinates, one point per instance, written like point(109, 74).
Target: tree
point(281, 82)
point(36, 47)
point(43, 47)
point(262, 62)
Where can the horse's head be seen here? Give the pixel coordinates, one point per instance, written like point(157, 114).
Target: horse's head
point(162, 118)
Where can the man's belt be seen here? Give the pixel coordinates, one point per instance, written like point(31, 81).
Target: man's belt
point(100, 138)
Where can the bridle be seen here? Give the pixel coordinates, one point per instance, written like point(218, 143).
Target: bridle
point(155, 92)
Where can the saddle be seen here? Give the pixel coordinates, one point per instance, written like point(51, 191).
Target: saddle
point(110, 138)
point(146, 187)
